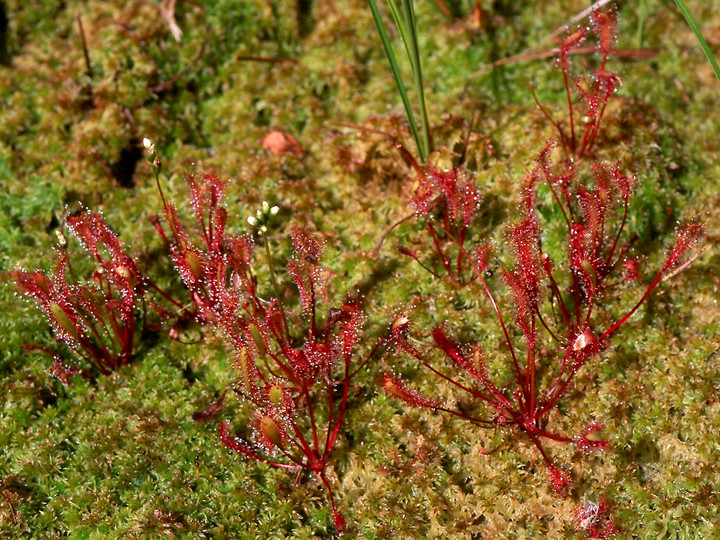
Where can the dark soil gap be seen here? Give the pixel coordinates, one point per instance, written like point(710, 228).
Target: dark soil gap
point(123, 170)
point(4, 21)
point(306, 22)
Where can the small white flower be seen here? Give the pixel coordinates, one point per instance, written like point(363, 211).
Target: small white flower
point(252, 220)
point(265, 207)
point(274, 210)
point(147, 143)
point(61, 238)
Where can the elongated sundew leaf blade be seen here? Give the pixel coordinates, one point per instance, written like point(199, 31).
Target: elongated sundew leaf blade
point(397, 75)
point(698, 34)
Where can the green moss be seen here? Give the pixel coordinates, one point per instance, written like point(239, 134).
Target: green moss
point(121, 455)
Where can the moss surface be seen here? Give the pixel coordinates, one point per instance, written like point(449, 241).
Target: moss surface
point(120, 456)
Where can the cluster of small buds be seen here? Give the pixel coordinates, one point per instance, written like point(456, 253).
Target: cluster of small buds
point(152, 155)
point(262, 217)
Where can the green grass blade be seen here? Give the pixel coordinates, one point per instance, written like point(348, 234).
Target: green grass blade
point(414, 55)
point(398, 77)
point(402, 27)
point(696, 29)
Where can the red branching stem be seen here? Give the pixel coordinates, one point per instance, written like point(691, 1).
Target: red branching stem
point(547, 435)
point(341, 415)
point(311, 414)
point(419, 358)
point(559, 392)
point(500, 320)
point(438, 249)
point(425, 267)
point(540, 448)
point(561, 133)
point(461, 240)
point(547, 328)
point(530, 370)
point(570, 111)
point(630, 313)
point(380, 342)
point(611, 253)
point(324, 479)
point(481, 421)
point(276, 290)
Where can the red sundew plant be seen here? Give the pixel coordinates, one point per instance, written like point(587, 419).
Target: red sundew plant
point(446, 202)
point(95, 317)
point(595, 90)
point(294, 369)
point(195, 261)
point(560, 325)
point(554, 351)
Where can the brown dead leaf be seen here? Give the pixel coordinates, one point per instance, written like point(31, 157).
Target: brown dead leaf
point(280, 143)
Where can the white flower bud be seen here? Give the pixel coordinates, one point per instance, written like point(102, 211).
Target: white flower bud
point(61, 238)
point(147, 143)
point(252, 220)
point(265, 207)
point(274, 210)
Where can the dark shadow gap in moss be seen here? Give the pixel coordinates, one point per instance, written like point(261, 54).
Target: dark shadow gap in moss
point(123, 170)
point(306, 21)
point(4, 21)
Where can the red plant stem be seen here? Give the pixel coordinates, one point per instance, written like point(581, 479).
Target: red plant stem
point(464, 416)
point(272, 372)
point(617, 236)
point(324, 479)
point(598, 116)
point(687, 263)
point(381, 341)
point(452, 381)
point(426, 268)
point(445, 262)
point(300, 442)
point(563, 138)
point(311, 414)
point(461, 239)
point(100, 352)
point(560, 391)
point(576, 290)
point(502, 323)
point(10, 504)
point(548, 435)
point(343, 407)
point(556, 291)
point(539, 446)
point(331, 414)
point(542, 321)
point(165, 295)
point(630, 313)
point(557, 200)
point(530, 370)
point(570, 109)
point(313, 324)
point(275, 288)
point(499, 316)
